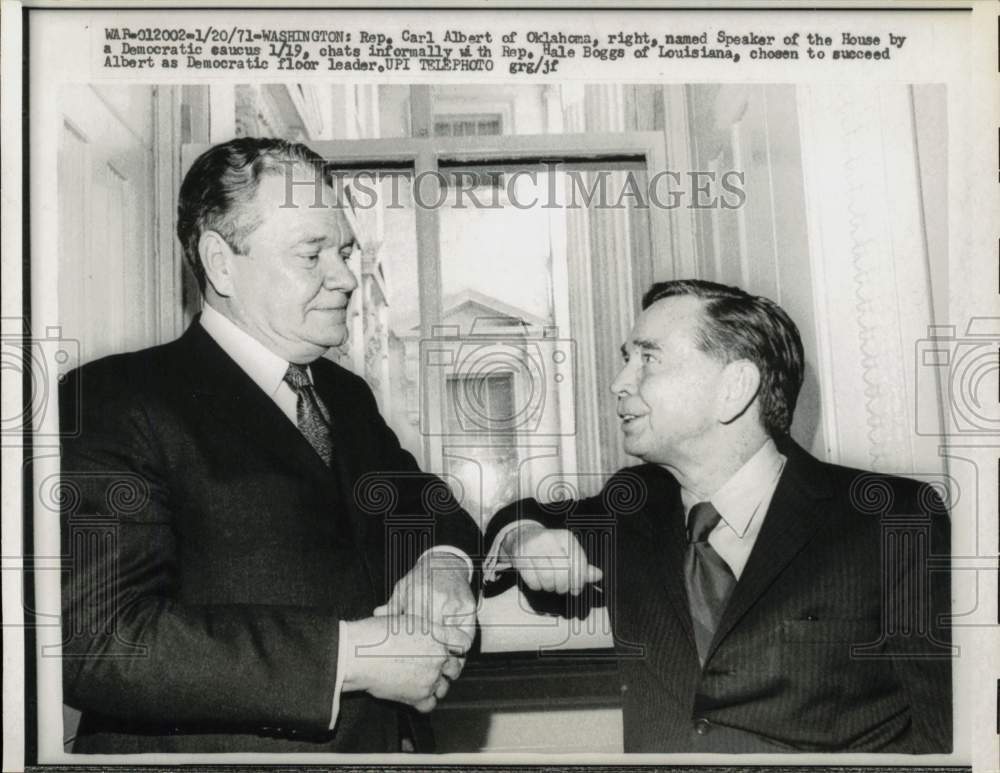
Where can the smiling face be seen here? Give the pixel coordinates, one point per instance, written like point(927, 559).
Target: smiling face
point(291, 289)
point(670, 393)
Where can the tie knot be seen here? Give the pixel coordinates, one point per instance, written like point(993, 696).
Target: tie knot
point(297, 376)
point(701, 520)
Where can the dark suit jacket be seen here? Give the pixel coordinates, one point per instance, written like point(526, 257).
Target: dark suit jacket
point(210, 554)
point(833, 638)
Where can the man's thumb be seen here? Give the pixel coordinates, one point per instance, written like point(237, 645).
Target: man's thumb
point(593, 574)
point(393, 606)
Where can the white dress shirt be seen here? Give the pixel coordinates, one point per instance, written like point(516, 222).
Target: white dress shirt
point(742, 502)
point(267, 370)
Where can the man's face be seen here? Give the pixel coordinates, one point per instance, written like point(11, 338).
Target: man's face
point(291, 289)
point(668, 390)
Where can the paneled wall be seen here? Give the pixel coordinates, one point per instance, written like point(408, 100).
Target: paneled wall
point(110, 281)
point(835, 228)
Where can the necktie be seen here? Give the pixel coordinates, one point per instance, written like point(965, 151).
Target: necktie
point(708, 578)
point(310, 412)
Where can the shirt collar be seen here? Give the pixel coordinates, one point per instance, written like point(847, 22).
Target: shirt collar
point(265, 368)
point(740, 497)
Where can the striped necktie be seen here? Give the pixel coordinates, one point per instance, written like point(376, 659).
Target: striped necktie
point(310, 412)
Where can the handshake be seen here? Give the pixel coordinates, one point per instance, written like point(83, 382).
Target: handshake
point(415, 645)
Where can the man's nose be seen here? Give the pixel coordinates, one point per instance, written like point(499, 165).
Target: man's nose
point(338, 275)
point(624, 382)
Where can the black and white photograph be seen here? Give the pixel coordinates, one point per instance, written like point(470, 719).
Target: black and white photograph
point(513, 385)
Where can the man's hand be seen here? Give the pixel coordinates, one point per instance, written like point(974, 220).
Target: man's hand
point(436, 588)
point(403, 658)
point(548, 559)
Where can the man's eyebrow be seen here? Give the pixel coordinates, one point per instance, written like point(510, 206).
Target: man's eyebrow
point(313, 239)
point(647, 343)
point(310, 239)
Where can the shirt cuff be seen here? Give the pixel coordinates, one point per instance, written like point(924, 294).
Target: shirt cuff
point(453, 551)
point(343, 653)
point(493, 564)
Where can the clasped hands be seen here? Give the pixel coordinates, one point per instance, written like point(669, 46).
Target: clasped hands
point(414, 645)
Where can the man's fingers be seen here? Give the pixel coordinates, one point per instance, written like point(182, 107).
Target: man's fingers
point(538, 573)
point(452, 667)
point(576, 578)
point(579, 569)
point(451, 605)
point(441, 688)
point(547, 571)
point(561, 579)
point(455, 640)
point(456, 610)
point(528, 574)
point(554, 577)
point(465, 627)
point(464, 621)
point(583, 576)
point(553, 560)
point(426, 706)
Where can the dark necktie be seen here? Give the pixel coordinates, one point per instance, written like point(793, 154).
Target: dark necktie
point(708, 578)
point(310, 412)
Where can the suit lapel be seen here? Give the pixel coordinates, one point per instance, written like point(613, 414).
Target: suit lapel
point(230, 395)
point(665, 522)
point(797, 509)
point(348, 442)
point(675, 539)
point(353, 454)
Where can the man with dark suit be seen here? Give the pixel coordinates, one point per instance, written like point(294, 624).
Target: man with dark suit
point(760, 600)
point(237, 512)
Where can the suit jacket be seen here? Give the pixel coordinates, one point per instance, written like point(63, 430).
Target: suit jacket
point(210, 554)
point(833, 638)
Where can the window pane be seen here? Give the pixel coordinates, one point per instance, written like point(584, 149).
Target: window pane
point(538, 294)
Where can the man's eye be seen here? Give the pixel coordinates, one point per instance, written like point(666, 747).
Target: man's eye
point(310, 257)
point(647, 357)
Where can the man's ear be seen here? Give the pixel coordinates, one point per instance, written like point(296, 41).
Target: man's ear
point(740, 384)
point(217, 259)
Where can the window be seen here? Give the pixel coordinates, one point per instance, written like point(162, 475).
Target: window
point(469, 125)
point(482, 455)
point(482, 407)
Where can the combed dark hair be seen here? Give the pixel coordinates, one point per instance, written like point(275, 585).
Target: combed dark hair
point(740, 326)
point(220, 185)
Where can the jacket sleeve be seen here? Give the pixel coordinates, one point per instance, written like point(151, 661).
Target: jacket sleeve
point(132, 647)
point(395, 486)
point(591, 519)
point(917, 616)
